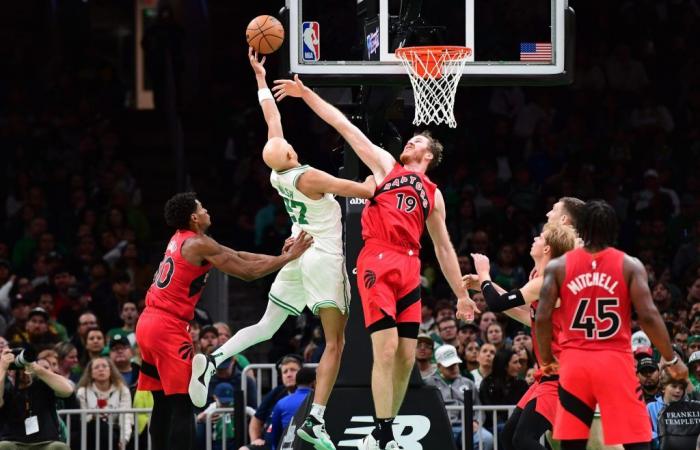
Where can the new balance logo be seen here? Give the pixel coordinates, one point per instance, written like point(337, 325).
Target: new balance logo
point(408, 431)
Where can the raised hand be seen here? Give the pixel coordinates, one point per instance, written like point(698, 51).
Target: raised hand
point(258, 66)
point(289, 88)
point(481, 263)
point(471, 281)
point(466, 307)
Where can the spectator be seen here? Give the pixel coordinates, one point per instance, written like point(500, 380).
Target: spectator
point(648, 375)
point(487, 353)
point(229, 371)
point(494, 335)
point(208, 339)
point(289, 366)
point(502, 386)
point(487, 318)
point(522, 340)
point(47, 304)
point(50, 357)
point(444, 309)
point(286, 408)
point(78, 302)
point(427, 316)
point(20, 307)
point(107, 308)
point(452, 387)
point(29, 385)
point(94, 345)
point(694, 369)
point(447, 330)
point(468, 332)
point(471, 361)
point(120, 353)
point(129, 315)
point(68, 362)
point(39, 337)
point(101, 387)
point(505, 272)
point(693, 345)
point(86, 322)
point(424, 356)
point(222, 423)
point(671, 391)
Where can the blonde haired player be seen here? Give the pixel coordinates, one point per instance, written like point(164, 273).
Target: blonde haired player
point(317, 280)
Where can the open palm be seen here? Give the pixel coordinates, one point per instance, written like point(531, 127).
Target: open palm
point(289, 88)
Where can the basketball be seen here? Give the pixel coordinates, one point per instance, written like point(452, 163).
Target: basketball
point(265, 34)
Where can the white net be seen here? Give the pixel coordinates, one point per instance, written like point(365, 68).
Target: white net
point(434, 74)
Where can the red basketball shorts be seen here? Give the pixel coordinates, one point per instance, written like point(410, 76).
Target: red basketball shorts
point(166, 351)
point(388, 278)
point(606, 378)
point(546, 393)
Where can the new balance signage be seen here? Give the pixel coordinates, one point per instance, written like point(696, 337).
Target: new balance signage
point(422, 423)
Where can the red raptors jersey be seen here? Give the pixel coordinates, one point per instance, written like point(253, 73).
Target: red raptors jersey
point(400, 206)
point(555, 334)
point(178, 284)
point(596, 310)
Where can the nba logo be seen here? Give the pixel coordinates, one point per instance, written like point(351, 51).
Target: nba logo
point(311, 48)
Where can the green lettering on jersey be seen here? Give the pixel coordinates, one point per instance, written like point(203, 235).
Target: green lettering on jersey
point(291, 206)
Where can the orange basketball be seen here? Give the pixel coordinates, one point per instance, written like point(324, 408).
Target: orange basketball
point(265, 34)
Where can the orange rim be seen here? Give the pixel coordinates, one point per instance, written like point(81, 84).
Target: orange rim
point(451, 50)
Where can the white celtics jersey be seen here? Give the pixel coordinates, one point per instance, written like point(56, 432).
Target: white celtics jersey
point(319, 218)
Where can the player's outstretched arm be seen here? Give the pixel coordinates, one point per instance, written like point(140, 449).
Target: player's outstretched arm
point(501, 301)
point(447, 257)
point(648, 316)
point(379, 161)
point(553, 275)
point(318, 182)
point(267, 102)
point(246, 266)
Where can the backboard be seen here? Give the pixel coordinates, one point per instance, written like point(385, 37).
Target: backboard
point(345, 42)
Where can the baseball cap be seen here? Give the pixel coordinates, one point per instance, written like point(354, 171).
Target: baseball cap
point(208, 329)
point(446, 355)
point(425, 337)
point(693, 339)
point(467, 325)
point(224, 392)
point(119, 339)
point(694, 357)
point(646, 364)
point(38, 311)
point(640, 339)
point(643, 351)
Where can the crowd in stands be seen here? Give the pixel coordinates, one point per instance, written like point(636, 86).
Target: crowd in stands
point(77, 250)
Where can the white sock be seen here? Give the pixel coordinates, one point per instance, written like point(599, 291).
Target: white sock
point(268, 325)
point(317, 411)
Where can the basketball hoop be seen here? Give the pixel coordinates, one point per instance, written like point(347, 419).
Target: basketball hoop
point(434, 74)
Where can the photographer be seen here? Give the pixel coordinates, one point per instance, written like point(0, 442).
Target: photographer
point(28, 403)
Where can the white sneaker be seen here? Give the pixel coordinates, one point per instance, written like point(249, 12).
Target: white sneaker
point(203, 368)
point(369, 443)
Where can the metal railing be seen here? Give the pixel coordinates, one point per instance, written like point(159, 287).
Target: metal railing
point(110, 413)
point(209, 420)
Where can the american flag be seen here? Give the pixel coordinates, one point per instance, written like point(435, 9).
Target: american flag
point(536, 51)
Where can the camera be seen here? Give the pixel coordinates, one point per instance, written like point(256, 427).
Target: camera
point(23, 357)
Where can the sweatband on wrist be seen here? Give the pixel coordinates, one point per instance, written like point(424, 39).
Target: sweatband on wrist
point(264, 94)
point(501, 302)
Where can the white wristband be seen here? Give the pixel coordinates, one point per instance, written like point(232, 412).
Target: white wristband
point(264, 94)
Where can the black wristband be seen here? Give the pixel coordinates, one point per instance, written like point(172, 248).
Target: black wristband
point(501, 302)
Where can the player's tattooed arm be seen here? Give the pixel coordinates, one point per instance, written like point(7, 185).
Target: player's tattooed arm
point(553, 274)
point(243, 265)
point(379, 161)
point(315, 182)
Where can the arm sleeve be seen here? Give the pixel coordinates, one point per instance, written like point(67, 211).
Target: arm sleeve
point(502, 302)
